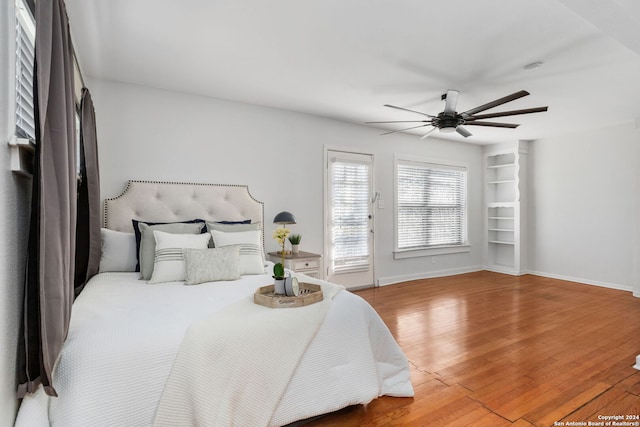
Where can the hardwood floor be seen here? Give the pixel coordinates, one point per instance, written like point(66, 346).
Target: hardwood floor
point(489, 349)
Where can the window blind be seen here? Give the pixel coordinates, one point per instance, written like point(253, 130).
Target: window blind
point(431, 205)
point(350, 204)
point(25, 47)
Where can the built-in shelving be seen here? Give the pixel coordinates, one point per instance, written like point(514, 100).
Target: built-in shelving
point(503, 165)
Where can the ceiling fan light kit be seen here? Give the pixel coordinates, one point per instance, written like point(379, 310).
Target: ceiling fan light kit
point(449, 120)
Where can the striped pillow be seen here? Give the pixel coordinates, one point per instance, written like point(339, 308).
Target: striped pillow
point(251, 258)
point(169, 260)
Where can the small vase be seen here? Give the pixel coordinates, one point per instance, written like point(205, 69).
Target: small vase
point(278, 285)
point(295, 249)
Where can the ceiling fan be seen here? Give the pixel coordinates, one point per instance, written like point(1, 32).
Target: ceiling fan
point(450, 120)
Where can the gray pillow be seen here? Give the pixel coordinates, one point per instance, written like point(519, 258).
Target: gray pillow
point(232, 227)
point(211, 265)
point(148, 242)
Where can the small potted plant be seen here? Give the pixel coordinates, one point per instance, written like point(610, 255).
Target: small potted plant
point(279, 235)
point(295, 239)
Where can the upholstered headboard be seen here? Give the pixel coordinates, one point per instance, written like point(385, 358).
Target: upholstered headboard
point(175, 201)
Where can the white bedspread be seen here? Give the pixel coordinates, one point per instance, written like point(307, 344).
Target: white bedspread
point(125, 334)
point(233, 367)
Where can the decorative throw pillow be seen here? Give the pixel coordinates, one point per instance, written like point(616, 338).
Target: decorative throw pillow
point(148, 242)
point(118, 251)
point(251, 257)
point(231, 226)
point(211, 265)
point(136, 231)
point(235, 228)
point(169, 259)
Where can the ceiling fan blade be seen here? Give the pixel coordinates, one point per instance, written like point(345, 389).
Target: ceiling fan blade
point(451, 101)
point(508, 113)
point(402, 130)
point(462, 131)
point(400, 121)
point(428, 133)
point(495, 103)
point(492, 124)
point(406, 109)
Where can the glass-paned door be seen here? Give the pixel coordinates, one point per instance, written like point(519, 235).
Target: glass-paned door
point(349, 215)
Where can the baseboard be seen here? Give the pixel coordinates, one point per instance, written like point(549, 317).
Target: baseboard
point(583, 281)
point(384, 281)
point(503, 270)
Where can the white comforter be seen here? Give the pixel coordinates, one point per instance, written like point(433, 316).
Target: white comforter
point(124, 336)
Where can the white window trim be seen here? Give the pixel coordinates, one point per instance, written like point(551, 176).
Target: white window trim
point(435, 250)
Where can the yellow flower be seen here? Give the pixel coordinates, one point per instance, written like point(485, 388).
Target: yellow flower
point(280, 235)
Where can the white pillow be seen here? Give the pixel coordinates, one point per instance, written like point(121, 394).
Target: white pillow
point(118, 251)
point(235, 228)
point(251, 257)
point(147, 248)
point(169, 261)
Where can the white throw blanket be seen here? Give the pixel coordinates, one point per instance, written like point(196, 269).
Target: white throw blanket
point(233, 368)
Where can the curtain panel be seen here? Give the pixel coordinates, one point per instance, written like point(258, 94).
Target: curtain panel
point(88, 240)
point(49, 285)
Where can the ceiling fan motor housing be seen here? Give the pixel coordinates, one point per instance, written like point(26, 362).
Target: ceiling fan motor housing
point(445, 120)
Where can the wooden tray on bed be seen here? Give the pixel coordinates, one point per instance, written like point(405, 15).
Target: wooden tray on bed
point(309, 294)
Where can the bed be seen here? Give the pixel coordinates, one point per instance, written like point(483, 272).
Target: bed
point(129, 356)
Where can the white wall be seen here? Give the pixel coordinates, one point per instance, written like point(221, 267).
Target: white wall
point(151, 134)
point(583, 212)
point(636, 215)
point(14, 193)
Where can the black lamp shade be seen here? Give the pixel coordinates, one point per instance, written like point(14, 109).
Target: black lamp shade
point(284, 217)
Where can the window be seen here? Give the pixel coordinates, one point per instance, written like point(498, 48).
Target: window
point(431, 206)
point(25, 41)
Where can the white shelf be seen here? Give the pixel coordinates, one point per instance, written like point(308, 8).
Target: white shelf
point(505, 165)
point(500, 204)
point(502, 217)
point(501, 242)
point(506, 181)
point(506, 230)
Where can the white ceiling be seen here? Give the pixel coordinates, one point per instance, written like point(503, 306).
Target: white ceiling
point(344, 59)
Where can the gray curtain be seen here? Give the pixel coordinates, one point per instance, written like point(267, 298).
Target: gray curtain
point(49, 286)
point(88, 241)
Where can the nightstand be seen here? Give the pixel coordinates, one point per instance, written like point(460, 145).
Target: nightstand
point(303, 262)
